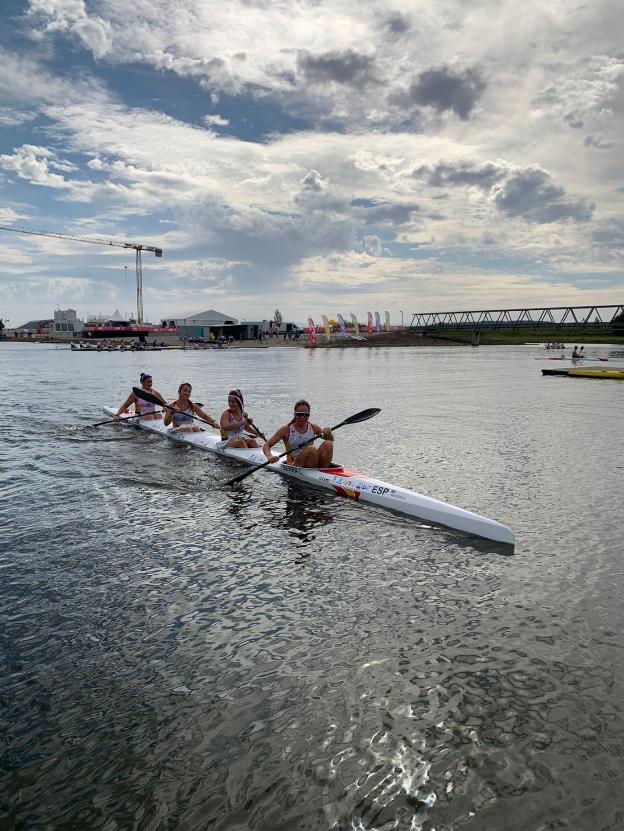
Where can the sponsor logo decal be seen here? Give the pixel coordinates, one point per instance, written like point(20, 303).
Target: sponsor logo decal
point(292, 468)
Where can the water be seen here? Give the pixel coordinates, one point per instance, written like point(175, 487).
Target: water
point(176, 655)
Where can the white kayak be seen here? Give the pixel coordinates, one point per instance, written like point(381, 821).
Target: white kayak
point(356, 486)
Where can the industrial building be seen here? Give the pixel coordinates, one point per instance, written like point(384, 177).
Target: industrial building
point(211, 322)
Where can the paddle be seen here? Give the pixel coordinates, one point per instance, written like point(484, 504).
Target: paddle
point(148, 396)
point(364, 415)
point(112, 420)
point(257, 432)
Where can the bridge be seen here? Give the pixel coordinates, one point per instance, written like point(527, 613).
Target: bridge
point(568, 318)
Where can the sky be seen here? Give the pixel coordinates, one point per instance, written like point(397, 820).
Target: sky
point(316, 157)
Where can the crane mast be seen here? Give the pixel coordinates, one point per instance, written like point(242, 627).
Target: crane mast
point(138, 247)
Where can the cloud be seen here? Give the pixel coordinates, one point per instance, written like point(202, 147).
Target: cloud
point(10, 117)
point(528, 192)
point(597, 143)
point(372, 245)
point(467, 173)
point(532, 194)
point(33, 163)
point(444, 89)
point(71, 16)
point(350, 68)
point(215, 121)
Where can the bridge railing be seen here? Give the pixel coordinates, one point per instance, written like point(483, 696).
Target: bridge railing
point(556, 317)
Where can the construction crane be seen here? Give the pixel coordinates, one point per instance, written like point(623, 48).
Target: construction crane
point(138, 247)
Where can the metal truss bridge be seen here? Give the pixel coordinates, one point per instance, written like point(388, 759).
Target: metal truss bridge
point(510, 320)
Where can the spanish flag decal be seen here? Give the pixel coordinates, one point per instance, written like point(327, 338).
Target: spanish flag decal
point(348, 492)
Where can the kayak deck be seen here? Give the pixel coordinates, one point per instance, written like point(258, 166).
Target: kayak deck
point(346, 483)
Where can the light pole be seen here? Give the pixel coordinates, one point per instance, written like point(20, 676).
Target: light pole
point(401, 320)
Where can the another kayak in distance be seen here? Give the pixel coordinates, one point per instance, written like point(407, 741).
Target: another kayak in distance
point(355, 486)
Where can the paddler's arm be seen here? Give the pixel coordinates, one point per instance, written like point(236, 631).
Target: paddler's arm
point(169, 413)
point(322, 432)
point(158, 395)
point(129, 400)
point(207, 418)
point(266, 447)
point(226, 424)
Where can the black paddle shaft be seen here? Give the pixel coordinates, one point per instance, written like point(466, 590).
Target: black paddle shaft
point(148, 396)
point(364, 415)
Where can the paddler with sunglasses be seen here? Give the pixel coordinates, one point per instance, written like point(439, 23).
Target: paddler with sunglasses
point(146, 409)
point(298, 431)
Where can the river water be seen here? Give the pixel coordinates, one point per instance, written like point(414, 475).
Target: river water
point(179, 655)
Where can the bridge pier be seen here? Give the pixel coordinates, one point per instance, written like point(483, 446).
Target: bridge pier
point(476, 337)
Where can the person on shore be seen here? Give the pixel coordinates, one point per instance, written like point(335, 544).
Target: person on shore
point(146, 409)
point(183, 410)
point(234, 420)
point(298, 431)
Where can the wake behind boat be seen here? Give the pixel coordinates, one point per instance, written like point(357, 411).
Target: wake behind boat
point(356, 486)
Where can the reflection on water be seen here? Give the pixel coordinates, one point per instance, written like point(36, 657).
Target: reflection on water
point(177, 654)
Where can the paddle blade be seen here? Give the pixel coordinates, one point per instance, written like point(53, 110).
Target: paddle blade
point(146, 396)
point(364, 415)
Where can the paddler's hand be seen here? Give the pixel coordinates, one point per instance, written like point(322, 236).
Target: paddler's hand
point(326, 433)
point(116, 417)
point(270, 456)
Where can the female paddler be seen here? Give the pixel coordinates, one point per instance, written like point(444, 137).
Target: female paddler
point(182, 412)
point(146, 409)
point(234, 420)
point(298, 431)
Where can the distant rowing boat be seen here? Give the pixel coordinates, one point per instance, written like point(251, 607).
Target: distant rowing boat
point(356, 486)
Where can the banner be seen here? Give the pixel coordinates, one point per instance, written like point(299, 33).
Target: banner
point(342, 324)
point(387, 326)
point(327, 326)
point(377, 323)
point(370, 324)
point(356, 325)
point(312, 328)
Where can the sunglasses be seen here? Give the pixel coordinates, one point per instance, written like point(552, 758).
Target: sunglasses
point(302, 415)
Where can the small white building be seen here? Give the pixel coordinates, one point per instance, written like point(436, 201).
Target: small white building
point(66, 324)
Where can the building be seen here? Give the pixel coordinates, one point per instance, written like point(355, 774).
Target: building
point(203, 325)
point(33, 327)
point(66, 324)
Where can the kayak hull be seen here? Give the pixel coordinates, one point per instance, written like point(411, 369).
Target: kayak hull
point(348, 484)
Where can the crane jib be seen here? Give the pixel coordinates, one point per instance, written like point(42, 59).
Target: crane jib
point(138, 247)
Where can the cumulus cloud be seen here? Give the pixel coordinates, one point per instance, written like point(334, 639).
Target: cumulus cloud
point(532, 194)
point(468, 173)
point(444, 89)
point(71, 16)
point(349, 67)
point(215, 121)
point(528, 192)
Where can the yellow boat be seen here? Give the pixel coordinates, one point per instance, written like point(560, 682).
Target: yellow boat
point(597, 372)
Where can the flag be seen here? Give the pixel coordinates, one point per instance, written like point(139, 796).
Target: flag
point(388, 327)
point(327, 326)
point(356, 325)
point(342, 324)
point(312, 329)
point(370, 324)
point(377, 322)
